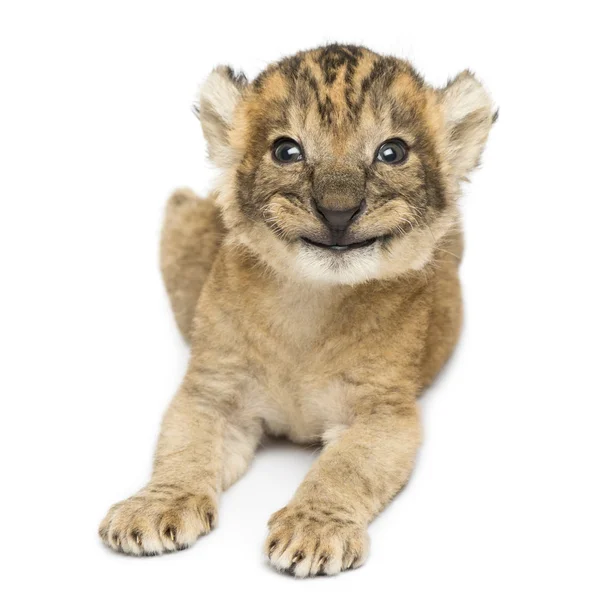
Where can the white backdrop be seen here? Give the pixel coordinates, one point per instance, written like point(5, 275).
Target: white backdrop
point(96, 130)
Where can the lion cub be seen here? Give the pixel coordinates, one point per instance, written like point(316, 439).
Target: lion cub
point(318, 289)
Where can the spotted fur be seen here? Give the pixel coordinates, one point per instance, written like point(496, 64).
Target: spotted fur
point(293, 333)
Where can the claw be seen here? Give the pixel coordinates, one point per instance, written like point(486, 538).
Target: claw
point(210, 518)
point(321, 563)
point(272, 547)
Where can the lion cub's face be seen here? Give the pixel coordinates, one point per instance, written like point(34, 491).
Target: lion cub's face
point(341, 165)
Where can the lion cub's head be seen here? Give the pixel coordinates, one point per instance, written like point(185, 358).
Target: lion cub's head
point(341, 165)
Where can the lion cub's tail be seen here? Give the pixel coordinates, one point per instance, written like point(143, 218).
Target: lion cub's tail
point(191, 236)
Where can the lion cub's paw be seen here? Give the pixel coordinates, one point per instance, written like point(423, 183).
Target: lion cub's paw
point(307, 540)
point(159, 518)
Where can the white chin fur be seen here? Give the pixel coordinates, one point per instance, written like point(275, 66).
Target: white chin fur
point(338, 267)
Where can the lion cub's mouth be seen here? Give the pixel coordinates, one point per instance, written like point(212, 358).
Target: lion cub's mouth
point(335, 247)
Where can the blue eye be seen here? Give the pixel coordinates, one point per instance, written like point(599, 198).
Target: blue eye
point(287, 151)
point(393, 151)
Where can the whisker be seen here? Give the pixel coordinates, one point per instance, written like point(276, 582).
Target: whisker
point(435, 242)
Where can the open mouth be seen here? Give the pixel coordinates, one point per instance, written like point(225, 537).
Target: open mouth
point(348, 247)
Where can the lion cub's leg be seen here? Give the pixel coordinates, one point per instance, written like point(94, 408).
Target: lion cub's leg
point(324, 527)
point(191, 236)
point(202, 449)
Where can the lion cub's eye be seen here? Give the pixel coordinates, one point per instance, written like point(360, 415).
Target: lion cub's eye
point(287, 151)
point(393, 151)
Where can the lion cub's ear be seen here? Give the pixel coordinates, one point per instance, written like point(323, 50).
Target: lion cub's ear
point(469, 115)
point(215, 108)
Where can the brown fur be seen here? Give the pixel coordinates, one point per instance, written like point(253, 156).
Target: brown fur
point(310, 343)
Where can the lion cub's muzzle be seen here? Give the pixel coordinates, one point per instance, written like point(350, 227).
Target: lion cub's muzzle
point(338, 223)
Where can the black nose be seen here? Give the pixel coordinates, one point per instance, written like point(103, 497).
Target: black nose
point(339, 220)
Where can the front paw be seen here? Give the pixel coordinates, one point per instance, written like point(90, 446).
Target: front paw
point(305, 539)
point(159, 518)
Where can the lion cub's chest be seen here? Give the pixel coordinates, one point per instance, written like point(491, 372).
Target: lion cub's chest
point(303, 361)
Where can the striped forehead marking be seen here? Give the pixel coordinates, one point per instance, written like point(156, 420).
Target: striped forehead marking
point(337, 78)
